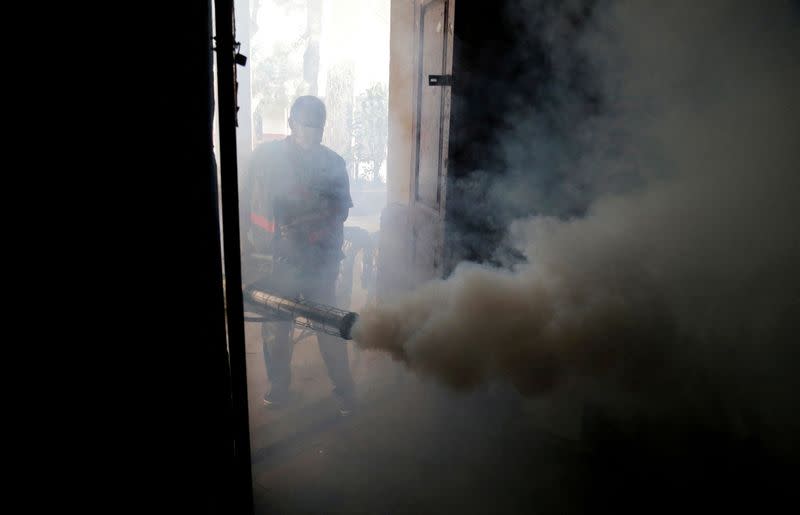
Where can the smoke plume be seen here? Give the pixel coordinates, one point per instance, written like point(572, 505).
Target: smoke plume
point(682, 285)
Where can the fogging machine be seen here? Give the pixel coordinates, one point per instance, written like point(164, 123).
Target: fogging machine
point(304, 313)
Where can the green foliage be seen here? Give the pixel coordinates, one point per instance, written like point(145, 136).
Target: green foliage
point(276, 78)
point(371, 129)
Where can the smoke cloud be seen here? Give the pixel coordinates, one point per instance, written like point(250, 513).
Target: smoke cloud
point(678, 285)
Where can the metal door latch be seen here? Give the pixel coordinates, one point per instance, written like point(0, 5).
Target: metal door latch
point(440, 80)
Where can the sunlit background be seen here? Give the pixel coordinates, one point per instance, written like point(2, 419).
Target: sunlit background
point(337, 50)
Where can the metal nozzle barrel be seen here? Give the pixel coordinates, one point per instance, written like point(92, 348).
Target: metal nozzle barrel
point(305, 313)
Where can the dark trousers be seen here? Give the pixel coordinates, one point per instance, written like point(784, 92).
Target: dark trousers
point(318, 285)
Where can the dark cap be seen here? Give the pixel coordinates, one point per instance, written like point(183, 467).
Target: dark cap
point(308, 110)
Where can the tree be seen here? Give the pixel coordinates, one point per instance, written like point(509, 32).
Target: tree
point(277, 75)
point(276, 78)
point(313, 10)
point(339, 101)
point(311, 55)
point(371, 129)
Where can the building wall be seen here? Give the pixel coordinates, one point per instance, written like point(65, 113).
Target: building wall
point(401, 101)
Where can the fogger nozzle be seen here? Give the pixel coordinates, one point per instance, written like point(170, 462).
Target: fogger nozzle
point(305, 313)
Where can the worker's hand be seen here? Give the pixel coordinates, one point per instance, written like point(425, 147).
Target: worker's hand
point(309, 218)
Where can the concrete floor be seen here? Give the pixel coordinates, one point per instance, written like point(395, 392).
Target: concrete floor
point(412, 447)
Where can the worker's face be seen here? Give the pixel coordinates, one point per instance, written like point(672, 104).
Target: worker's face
point(307, 130)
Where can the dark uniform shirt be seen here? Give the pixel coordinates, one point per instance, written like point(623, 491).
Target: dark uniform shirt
point(299, 200)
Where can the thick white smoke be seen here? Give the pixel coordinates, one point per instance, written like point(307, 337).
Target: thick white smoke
point(685, 290)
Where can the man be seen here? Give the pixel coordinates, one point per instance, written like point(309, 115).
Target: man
point(295, 205)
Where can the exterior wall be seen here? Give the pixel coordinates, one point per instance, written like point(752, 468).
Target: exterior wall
point(394, 255)
point(401, 102)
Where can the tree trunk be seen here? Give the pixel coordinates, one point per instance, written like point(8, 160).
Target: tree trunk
point(311, 55)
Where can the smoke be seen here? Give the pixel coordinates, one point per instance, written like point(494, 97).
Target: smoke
point(677, 286)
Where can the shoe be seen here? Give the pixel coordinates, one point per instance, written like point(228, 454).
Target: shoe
point(346, 407)
point(274, 401)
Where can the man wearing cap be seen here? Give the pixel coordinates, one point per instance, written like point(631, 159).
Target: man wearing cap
point(295, 203)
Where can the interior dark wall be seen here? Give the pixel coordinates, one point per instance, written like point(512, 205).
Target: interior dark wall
point(172, 335)
point(201, 368)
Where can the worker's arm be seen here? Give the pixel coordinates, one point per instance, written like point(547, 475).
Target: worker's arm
point(256, 223)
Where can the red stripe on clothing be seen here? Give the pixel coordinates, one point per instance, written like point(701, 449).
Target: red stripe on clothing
point(267, 225)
